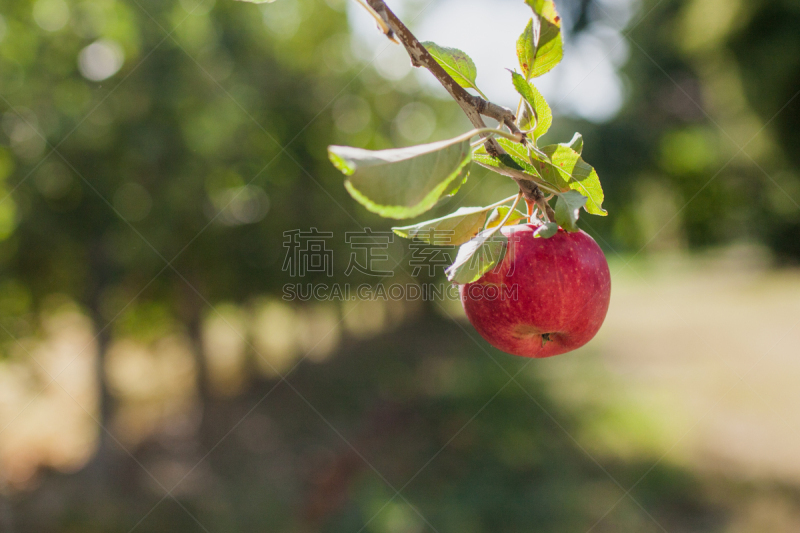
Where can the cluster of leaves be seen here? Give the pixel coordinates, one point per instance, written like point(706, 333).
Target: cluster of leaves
point(406, 182)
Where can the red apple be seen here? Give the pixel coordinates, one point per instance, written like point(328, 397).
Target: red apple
point(546, 297)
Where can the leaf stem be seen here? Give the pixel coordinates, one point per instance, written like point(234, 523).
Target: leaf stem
point(501, 202)
point(508, 215)
point(516, 137)
point(547, 188)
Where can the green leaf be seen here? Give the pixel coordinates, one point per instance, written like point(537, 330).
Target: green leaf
point(500, 213)
point(517, 158)
point(576, 143)
point(477, 256)
point(497, 164)
point(541, 110)
point(566, 165)
point(567, 209)
point(457, 228)
point(402, 182)
point(508, 166)
point(256, 1)
point(456, 63)
point(546, 230)
point(540, 48)
point(457, 184)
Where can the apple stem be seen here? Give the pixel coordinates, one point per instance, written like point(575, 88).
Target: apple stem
point(531, 208)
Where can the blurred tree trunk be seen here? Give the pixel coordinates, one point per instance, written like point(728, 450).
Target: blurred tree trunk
point(105, 399)
point(100, 274)
point(194, 325)
point(192, 315)
point(6, 510)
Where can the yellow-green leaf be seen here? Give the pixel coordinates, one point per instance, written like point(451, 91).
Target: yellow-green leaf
point(542, 114)
point(402, 182)
point(455, 228)
point(477, 256)
point(540, 169)
point(576, 143)
point(456, 63)
point(500, 213)
point(540, 47)
point(565, 164)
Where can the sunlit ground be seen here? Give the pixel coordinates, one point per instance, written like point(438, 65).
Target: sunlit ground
point(696, 365)
point(698, 360)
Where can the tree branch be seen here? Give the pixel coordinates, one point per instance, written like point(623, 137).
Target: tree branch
point(473, 106)
point(501, 114)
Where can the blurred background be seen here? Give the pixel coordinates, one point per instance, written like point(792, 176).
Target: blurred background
point(158, 158)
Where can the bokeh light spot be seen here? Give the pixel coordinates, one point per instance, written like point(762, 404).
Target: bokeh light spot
point(132, 202)
point(8, 216)
point(282, 18)
point(241, 205)
point(687, 151)
point(22, 127)
point(393, 63)
point(51, 15)
point(415, 122)
point(53, 180)
point(336, 53)
point(100, 60)
point(351, 114)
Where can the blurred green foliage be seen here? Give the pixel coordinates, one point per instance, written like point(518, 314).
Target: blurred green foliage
point(209, 141)
point(709, 128)
point(204, 147)
point(150, 148)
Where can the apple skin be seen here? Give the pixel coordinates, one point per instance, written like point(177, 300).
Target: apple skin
point(563, 288)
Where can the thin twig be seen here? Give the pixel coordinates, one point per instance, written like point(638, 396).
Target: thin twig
point(387, 31)
point(501, 114)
